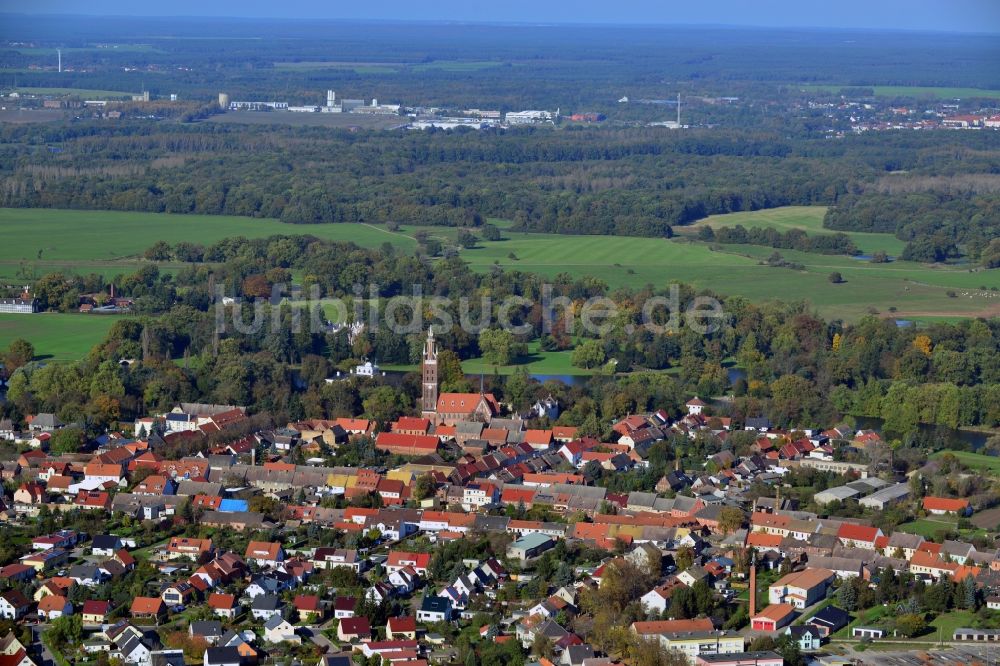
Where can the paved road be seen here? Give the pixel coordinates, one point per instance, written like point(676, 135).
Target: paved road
point(45, 657)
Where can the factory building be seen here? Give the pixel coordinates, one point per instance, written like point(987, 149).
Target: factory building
point(531, 117)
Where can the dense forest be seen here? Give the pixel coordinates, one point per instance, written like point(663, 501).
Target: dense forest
point(636, 182)
point(939, 217)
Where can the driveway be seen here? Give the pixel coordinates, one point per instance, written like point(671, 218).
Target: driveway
point(319, 639)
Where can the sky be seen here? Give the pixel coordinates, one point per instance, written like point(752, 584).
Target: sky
point(932, 15)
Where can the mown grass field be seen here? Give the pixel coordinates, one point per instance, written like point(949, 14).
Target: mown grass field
point(941, 92)
point(56, 336)
point(111, 243)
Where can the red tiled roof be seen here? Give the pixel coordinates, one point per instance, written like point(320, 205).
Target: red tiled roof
point(945, 504)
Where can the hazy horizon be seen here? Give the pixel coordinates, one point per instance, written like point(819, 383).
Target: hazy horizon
point(962, 16)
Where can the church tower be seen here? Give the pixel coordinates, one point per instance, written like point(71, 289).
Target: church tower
point(429, 367)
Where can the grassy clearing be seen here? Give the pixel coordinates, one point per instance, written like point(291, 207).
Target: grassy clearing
point(928, 527)
point(806, 218)
point(971, 460)
point(941, 92)
point(56, 336)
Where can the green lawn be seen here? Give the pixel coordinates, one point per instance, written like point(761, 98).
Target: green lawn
point(974, 460)
point(911, 91)
point(56, 336)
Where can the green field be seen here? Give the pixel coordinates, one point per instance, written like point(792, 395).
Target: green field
point(912, 91)
point(974, 460)
point(806, 218)
point(536, 363)
point(81, 92)
point(57, 337)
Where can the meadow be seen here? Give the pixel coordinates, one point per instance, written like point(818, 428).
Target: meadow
point(56, 336)
point(111, 243)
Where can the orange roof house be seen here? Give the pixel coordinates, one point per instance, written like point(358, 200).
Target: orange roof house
point(942, 505)
point(148, 607)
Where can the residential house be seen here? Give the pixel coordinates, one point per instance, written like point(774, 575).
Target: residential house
point(148, 608)
point(401, 628)
point(53, 606)
point(222, 656)
point(434, 609)
point(209, 631)
point(223, 605)
point(95, 611)
point(806, 636)
point(265, 606)
point(352, 629)
point(279, 630)
point(105, 545)
point(308, 607)
point(264, 553)
point(14, 605)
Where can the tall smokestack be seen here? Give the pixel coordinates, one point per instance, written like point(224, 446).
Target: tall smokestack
point(678, 109)
point(753, 585)
point(59, 52)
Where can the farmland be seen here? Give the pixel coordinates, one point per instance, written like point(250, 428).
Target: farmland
point(111, 243)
